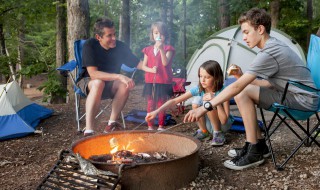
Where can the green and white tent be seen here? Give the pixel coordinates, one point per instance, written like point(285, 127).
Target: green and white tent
point(227, 47)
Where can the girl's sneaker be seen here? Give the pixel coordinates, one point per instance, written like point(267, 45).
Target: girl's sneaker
point(150, 128)
point(200, 135)
point(218, 139)
point(161, 129)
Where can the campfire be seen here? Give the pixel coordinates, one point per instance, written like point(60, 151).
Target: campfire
point(125, 154)
point(146, 159)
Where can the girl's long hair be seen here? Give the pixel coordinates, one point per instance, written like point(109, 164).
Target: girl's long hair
point(212, 68)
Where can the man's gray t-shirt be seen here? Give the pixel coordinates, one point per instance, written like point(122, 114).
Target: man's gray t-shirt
point(278, 63)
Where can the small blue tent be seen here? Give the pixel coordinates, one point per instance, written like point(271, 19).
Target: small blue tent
point(19, 116)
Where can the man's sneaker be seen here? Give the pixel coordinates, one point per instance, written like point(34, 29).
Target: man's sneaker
point(200, 135)
point(238, 152)
point(115, 126)
point(218, 139)
point(88, 133)
point(252, 158)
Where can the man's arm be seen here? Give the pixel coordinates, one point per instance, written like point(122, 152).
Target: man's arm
point(229, 92)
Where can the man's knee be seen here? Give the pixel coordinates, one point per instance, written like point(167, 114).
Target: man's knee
point(119, 87)
point(96, 84)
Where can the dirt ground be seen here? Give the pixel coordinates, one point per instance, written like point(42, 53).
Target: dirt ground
point(24, 162)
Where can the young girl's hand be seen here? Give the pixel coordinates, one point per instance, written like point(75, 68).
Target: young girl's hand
point(154, 69)
point(159, 44)
point(208, 96)
point(150, 116)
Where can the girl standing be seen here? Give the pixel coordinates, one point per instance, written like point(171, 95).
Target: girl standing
point(210, 85)
point(157, 64)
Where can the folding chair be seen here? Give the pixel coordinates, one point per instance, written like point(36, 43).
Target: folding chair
point(297, 116)
point(179, 84)
point(75, 71)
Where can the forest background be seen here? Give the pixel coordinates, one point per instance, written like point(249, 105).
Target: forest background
point(36, 36)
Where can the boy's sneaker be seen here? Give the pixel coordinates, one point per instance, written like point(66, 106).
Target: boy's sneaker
point(239, 152)
point(252, 158)
point(115, 126)
point(218, 139)
point(200, 135)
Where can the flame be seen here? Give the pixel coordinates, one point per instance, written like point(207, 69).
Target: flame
point(124, 147)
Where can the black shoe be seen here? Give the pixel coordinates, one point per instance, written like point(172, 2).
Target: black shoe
point(252, 158)
point(239, 152)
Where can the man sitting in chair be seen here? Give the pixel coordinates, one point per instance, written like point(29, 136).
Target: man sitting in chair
point(102, 57)
point(276, 63)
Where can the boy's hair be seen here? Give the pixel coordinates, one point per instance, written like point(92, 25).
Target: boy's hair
point(100, 24)
point(212, 68)
point(162, 27)
point(256, 17)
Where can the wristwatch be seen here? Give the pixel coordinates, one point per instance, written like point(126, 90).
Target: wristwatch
point(208, 106)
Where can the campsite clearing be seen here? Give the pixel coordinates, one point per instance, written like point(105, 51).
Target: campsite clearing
point(24, 162)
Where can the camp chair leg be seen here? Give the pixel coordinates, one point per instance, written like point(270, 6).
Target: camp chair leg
point(77, 105)
point(306, 140)
point(123, 121)
point(267, 137)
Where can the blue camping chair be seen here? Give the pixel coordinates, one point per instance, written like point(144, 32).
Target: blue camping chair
point(297, 116)
point(74, 70)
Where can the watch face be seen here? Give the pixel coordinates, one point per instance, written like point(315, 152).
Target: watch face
point(206, 105)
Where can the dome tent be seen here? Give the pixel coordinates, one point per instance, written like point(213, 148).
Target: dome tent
point(227, 47)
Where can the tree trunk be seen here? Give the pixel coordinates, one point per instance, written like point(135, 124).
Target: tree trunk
point(21, 49)
point(318, 33)
point(78, 27)
point(164, 11)
point(171, 31)
point(78, 23)
point(224, 13)
point(2, 46)
point(124, 30)
point(184, 38)
point(310, 20)
point(105, 8)
point(275, 12)
point(61, 47)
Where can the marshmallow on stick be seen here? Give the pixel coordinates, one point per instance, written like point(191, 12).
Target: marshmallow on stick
point(233, 69)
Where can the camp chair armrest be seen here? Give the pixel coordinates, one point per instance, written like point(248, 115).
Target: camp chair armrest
point(69, 66)
point(303, 86)
point(299, 85)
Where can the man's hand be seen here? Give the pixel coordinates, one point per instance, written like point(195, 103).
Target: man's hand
point(194, 115)
point(127, 81)
point(150, 116)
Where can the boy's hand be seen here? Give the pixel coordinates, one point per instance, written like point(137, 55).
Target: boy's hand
point(235, 70)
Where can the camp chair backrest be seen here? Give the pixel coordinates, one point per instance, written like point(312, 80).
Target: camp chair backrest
point(78, 45)
point(313, 59)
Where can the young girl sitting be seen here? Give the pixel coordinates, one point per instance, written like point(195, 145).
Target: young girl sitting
point(158, 78)
point(210, 85)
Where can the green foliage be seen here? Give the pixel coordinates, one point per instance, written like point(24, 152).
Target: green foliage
point(52, 87)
